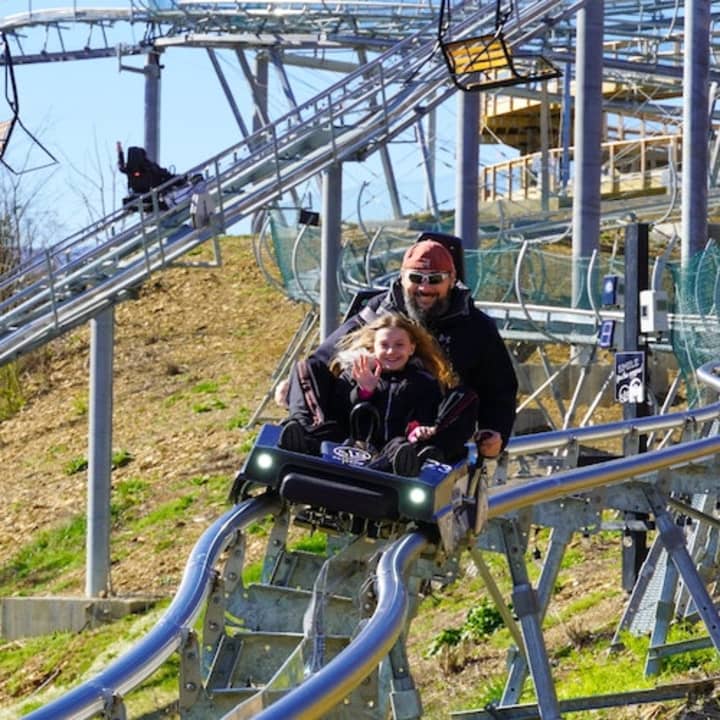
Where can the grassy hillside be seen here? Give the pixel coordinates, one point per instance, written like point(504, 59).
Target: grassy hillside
point(194, 356)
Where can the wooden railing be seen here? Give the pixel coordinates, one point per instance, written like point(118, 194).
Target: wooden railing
point(628, 166)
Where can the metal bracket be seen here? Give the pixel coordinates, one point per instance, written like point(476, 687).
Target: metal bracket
point(190, 676)
point(114, 707)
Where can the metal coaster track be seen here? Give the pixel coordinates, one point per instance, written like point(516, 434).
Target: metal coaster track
point(346, 24)
point(70, 283)
point(218, 680)
point(636, 32)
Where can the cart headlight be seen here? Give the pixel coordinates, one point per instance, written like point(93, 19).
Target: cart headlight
point(417, 496)
point(264, 461)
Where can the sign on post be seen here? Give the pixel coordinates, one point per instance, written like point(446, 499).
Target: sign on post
point(630, 377)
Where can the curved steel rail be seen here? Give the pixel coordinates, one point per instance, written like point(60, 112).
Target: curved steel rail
point(149, 653)
point(560, 438)
point(189, 22)
point(346, 671)
point(510, 497)
point(513, 496)
point(370, 24)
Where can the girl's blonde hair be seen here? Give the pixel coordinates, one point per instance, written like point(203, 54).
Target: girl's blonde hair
point(427, 349)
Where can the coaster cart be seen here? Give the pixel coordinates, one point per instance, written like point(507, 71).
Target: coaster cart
point(144, 175)
point(337, 490)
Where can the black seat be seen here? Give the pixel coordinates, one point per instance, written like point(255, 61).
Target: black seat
point(143, 174)
point(359, 301)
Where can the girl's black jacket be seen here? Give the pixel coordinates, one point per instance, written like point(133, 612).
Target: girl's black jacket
point(409, 395)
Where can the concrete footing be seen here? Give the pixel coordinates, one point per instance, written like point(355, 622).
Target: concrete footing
point(28, 616)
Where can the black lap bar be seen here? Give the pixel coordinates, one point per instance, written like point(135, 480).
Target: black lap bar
point(370, 503)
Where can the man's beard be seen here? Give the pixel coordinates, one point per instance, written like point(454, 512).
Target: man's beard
point(422, 315)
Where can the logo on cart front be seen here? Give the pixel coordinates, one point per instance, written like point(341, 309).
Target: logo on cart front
point(350, 455)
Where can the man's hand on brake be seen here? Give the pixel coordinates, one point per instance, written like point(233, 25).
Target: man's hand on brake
point(281, 393)
point(489, 443)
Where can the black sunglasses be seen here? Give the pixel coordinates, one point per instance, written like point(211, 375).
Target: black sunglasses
point(430, 278)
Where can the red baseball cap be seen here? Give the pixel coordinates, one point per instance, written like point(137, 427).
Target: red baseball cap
point(428, 255)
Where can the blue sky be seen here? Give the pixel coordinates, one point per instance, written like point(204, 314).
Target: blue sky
point(79, 109)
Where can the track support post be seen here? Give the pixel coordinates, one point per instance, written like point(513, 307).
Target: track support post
point(527, 608)
point(404, 696)
point(551, 567)
point(674, 540)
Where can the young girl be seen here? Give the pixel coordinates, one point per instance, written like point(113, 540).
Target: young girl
point(389, 381)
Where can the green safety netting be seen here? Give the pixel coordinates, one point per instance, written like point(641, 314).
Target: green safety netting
point(696, 333)
point(296, 252)
point(545, 274)
point(503, 271)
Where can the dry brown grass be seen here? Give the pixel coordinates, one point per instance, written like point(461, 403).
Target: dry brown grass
point(189, 326)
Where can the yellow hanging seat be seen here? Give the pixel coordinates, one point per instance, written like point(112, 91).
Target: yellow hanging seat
point(489, 63)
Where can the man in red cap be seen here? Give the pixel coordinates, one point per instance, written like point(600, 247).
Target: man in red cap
point(427, 290)
point(428, 276)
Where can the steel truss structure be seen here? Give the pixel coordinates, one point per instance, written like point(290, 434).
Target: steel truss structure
point(392, 75)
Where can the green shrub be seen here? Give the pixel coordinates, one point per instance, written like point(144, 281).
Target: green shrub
point(76, 465)
point(451, 644)
point(482, 620)
point(120, 458)
point(11, 396)
point(449, 637)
